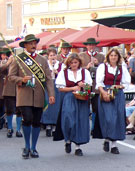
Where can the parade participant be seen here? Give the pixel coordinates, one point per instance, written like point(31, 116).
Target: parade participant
point(30, 90)
point(74, 113)
point(9, 94)
point(92, 59)
point(112, 108)
point(49, 117)
point(2, 67)
point(65, 49)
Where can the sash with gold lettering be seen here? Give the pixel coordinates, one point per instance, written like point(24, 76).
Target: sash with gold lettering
point(34, 67)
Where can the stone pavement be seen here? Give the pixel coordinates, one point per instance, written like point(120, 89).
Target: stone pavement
point(53, 157)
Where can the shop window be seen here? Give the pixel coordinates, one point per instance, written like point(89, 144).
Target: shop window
point(62, 5)
point(44, 7)
point(9, 16)
point(26, 9)
point(108, 3)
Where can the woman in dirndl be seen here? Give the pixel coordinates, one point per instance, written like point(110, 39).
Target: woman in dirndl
point(50, 115)
point(112, 112)
point(74, 112)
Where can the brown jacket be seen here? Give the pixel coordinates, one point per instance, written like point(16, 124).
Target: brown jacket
point(3, 67)
point(27, 96)
point(9, 88)
point(1, 85)
point(86, 59)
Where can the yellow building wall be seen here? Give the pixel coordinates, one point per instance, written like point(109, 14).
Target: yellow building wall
point(73, 19)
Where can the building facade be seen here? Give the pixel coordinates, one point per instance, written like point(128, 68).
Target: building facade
point(10, 18)
point(55, 15)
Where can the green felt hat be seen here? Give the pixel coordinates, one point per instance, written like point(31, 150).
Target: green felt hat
point(28, 38)
point(43, 52)
point(5, 51)
point(91, 41)
point(66, 45)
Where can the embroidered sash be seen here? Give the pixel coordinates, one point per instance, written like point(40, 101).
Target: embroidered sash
point(34, 67)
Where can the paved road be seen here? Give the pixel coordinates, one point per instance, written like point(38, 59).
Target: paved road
point(53, 157)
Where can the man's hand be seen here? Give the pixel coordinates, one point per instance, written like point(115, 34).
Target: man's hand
point(90, 64)
point(51, 100)
point(26, 78)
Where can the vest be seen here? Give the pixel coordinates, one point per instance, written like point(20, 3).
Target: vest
point(109, 78)
point(71, 83)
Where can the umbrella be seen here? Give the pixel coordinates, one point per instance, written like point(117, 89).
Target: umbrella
point(126, 21)
point(107, 36)
point(46, 41)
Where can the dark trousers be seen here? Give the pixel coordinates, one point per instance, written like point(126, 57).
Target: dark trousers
point(1, 113)
point(1, 107)
point(31, 115)
point(10, 106)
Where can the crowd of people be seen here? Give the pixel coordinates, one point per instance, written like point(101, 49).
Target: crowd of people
point(39, 89)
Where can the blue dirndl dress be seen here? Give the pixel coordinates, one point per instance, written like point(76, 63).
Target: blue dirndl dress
point(50, 115)
point(112, 114)
point(75, 117)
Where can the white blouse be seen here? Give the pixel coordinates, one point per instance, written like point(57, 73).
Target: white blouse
point(100, 74)
point(56, 66)
point(60, 80)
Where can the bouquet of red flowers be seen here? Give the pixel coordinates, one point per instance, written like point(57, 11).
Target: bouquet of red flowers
point(85, 94)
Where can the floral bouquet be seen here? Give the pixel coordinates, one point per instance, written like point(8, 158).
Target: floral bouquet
point(85, 94)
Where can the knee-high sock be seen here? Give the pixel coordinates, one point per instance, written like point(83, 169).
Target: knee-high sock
point(18, 123)
point(9, 121)
point(35, 135)
point(27, 132)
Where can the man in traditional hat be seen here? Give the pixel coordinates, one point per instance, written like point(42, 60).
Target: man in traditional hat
point(92, 59)
point(31, 73)
point(65, 49)
point(9, 95)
